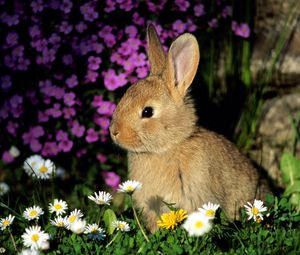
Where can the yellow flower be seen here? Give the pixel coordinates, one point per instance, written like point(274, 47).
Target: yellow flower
point(171, 219)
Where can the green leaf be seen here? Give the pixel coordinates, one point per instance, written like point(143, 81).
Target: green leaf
point(109, 216)
point(290, 167)
point(294, 188)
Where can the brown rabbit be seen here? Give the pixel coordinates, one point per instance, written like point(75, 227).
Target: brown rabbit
point(175, 160)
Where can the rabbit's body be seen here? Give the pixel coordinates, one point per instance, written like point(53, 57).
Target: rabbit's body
point(197, 171)
point(176, 161)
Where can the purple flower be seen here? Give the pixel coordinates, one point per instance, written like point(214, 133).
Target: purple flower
point(77, 129)
point(199, 10)
point(72, 81)
point(142, 72)
point(7, 157)
point(242, 30)
point(111, 179)
point(65, 145)
point(69, 112)
point(12, 128)
point(101, 157)
point(227, 11)
point(50, 149)
point(94, 63)
point(12, 39)
point(37, 131)
point(35, 145)
point(179, 26)
point(65, 28)
point(97, 101)
point(81, 27)
point(131, 31)
point(112, 81)
point(92, 136)
point(42, 117)
point(61, 135)
point(213, 23)
point(183, 5)
point(88, 12)
point(66, 6)
point(67, 59)
point(69, 99)
point(103, 122)
point(55, 112)
point(6, 82)
point(91, 76)
point(37, 6)
point(106, 108)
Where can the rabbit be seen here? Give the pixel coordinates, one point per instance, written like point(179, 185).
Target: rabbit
point(175, 160)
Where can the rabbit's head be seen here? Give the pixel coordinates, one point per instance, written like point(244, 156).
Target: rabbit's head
point(156, 113)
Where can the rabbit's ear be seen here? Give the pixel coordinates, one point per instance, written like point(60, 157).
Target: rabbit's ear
point(156, 54)
point(183, 60)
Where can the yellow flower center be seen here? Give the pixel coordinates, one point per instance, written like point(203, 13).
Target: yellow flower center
point(94, 231)
point(60, 224)
point(199, 224)
point(57, 206)
point(43, 169)
point(5, 222)
point(33, 213)
point(121, 226)
point(255, 211)
point(130, 188)
point(72, 218)
point(35, 237)
point(210, 213)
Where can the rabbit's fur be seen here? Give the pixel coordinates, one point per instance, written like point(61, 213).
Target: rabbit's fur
point(175, 160)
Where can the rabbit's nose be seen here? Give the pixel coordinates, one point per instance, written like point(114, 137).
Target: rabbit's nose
point(114, 132)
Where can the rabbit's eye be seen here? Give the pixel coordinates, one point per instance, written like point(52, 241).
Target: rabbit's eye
point(147, 112)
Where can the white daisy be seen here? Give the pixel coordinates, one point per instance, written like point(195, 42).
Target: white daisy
point(44, 169)
point(103, 198)
point(60, 222)
point(35, 238)
point(33, 213)
point(121, 225)
point(29, 252)
point(6, 222)
point(197, 224)
point(95, 232)
point(74, 216)
point(255, 211)
point(78, 226)
point(4, 188)
point(129, 186)
point(58, 206)
point(14, 151)
point(209, 210)
point(30, 163)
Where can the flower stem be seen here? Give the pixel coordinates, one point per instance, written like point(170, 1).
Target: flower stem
point(112, 240)
point(137, 220)
point(12, 239)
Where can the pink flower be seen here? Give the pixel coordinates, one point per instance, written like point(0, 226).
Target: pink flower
point(106, 108)
point(77, 129)
point(242, 30)
point(213, 23)
point(112, 81)
point(92, 136)
point(101, 157)
point(65, 145)
point(103, 122)
point(91, 76)
point(199, 10)
point(7, 157)
point(94, 63)
point(111, 179)
point(131, 31)
point(179, 26)
point(69, 99)
point(50, 149)
point(183, 5)
point(72, 81)
point(35, 145)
